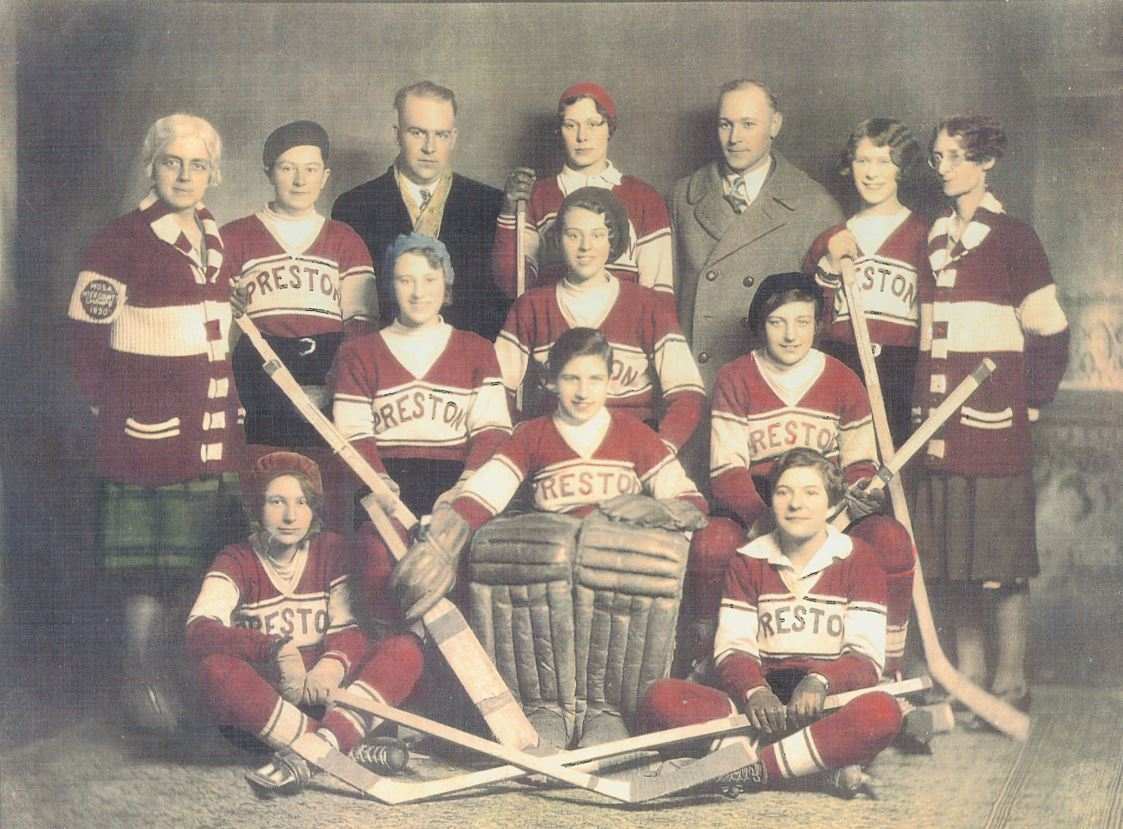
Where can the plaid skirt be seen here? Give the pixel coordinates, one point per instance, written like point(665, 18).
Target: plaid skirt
point(159, 537)
point(975, 529)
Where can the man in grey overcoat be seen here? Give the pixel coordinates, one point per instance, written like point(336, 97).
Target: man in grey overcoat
point(738, 220)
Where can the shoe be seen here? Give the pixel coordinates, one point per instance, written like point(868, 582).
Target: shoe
point(387, 756)
point(750, 778)
point(286, 774)
point(850, 781)
point(916, 732)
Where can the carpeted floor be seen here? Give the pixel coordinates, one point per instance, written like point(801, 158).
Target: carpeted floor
point(1069, 774)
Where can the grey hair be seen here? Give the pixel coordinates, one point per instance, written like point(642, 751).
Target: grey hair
point(182, 125)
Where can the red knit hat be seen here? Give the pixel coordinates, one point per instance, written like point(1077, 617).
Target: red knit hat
point(274, 465)
point(588, 89)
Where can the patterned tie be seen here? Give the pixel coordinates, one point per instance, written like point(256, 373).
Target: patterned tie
point(426, 197)
point(739, 195)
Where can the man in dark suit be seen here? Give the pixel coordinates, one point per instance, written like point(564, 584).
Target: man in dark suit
point(738, 220)
point(421, 193)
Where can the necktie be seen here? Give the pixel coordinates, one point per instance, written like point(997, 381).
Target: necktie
point(739, 195)
point(426, 197)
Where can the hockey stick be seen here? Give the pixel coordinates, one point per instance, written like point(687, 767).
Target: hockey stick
point(520, 275)
point(998, 713)
point(585, 759)
point(444, 622)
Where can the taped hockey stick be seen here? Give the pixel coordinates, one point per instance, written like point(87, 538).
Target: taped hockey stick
point(444, 622)
point(998, 713)
point(586, 759)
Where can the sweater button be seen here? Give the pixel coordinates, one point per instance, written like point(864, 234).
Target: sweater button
point(704, 357)
point(748, 281)
point(711, 275)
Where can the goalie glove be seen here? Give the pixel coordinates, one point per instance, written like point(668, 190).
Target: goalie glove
point(428, 571)
point(644, 511)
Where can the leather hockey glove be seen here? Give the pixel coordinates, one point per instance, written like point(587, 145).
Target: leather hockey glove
point(644, 511)
point(290, 667)
point(862, 501)
point(428, 571)
point(325, 677)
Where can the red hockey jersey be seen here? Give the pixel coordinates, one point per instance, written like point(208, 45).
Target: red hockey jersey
point(888, 279)
point(245, 603)
point(647, 260)
point(457, 411)
point(293, 293)
point(760, 412)
point(629, 459)
point(652, 365)
point(828, 619)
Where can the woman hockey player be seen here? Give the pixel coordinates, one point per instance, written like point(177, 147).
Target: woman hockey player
point(149, 326)
point(802, 614)
point(654, 375)
point(630, 557)
point(421, 401)
point(306, 282)
point(586, 122)
point(991, 295)
point(784, 394)
point(888, 244)
point(273, 634)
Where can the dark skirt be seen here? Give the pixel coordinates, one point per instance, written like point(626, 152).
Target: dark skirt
point(975, 529)
point(421, 480)
point(896, 366)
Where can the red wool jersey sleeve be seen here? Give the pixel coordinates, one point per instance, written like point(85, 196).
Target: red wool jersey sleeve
point(355, 386)
point(491, 487)
point(210, 628)
point(857, 441)
point(489, 420)
point(98, 299)
point(680, 382)
point(730, 448)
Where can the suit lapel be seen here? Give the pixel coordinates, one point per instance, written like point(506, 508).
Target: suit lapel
point(711, 210)
point(763, 216)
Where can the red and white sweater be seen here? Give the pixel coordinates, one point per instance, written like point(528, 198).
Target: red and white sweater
point(572, 469)
point(246, 603)
point(991, 295)
point(888, 278)
point(761, 411)
point(648, 259)
point(150, 328)
point(456, 411)
point(828, 619)
point(327, 287)
point(653, 371)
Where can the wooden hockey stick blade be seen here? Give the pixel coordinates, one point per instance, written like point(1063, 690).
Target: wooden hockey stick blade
point(444, 622)
point(1003, 716)
point(729, 758)
point(616, 789)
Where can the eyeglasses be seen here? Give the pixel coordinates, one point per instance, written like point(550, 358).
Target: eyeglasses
point(953, 159)
point(572, 126)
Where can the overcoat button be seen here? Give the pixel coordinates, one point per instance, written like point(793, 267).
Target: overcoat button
point(704, 357)
point(711, 275)
point(748, 281)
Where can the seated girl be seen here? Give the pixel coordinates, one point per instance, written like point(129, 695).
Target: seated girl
point(273, 633)
point(802, 615)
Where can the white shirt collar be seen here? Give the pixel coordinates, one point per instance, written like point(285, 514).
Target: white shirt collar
point(570, 179)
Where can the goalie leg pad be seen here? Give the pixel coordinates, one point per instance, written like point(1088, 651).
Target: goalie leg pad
point(521, 607)
point(628, 587)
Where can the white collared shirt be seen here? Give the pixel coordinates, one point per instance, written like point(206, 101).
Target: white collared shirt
point(754, 179)
point(570, 179)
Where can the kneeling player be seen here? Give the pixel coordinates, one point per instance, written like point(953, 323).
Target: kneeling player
point(781, 395)
point(273, 632)
point(579, 614)
point(803, 614)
